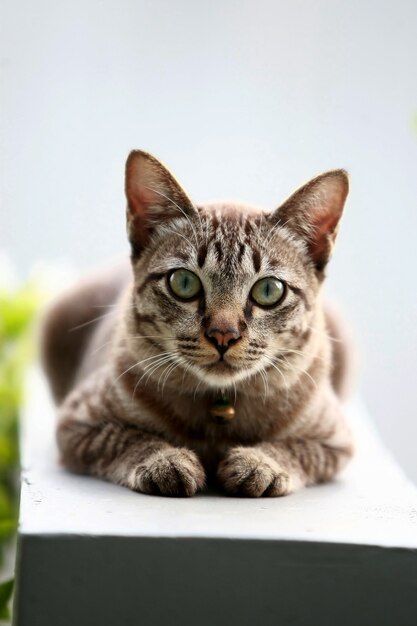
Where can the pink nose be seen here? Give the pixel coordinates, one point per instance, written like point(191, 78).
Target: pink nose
point(222, 339)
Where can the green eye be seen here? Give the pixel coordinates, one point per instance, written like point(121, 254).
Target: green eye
point(184, 284)
point(268, 291)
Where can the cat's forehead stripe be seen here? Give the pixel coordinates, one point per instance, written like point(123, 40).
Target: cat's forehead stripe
point(256, 257)
point(201, 256)
point(228, 237)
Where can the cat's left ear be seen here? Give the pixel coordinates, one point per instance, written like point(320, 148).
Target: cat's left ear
point(313, 213)
point(153, 197)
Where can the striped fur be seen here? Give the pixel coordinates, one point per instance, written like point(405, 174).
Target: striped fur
point(134, 405)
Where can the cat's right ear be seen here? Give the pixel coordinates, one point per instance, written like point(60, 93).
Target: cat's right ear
point(313, 213)
point(153, 197)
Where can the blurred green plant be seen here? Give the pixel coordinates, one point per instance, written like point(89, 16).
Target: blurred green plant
point(18, 308)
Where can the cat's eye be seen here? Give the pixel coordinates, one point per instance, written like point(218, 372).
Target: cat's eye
point(268, 291)
point(184, 284)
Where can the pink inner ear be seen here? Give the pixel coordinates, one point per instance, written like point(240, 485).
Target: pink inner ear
point(325, 226)
point(325, 223)
point(140, 198)
point(147, 195)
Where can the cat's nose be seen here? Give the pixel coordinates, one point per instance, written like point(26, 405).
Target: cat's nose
point(222, 339)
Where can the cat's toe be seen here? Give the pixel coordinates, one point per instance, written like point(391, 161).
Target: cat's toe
point(172, 472)
point(249, 472)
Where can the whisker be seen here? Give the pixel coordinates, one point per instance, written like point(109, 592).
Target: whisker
point(95, 319)
point(275, 229)
point(185, 239)
point(271, 233)
point(149, 367)
point(155, 356)
point(303, 371)
point(153, 367)
point(189, 365)
point(114, 305)
point(196, 389)
point(300, 353)
point(173, 362)
point(272, 364)
point(324, 334)
point(168, 365)
point(265, 381)
point(168, 374)
point(136, 365)
point(125, 372)
point(152, 337)
point(151, 370)
point(106, 343)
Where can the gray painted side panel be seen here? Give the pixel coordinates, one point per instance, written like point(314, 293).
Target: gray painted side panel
point(83, 581)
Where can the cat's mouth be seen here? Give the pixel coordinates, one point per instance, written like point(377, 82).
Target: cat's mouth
point(220, 365)
point(223, 369)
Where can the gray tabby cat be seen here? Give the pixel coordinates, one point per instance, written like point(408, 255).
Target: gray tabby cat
point(216, 358)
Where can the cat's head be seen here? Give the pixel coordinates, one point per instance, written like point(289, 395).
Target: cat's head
point(225, 291)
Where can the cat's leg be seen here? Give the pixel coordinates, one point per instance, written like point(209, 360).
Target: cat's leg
point(284, 466)
point(92, 440)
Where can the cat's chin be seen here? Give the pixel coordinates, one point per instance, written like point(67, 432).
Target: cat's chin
point(222, 375)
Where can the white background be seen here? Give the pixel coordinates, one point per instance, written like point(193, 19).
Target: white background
point(241, 99)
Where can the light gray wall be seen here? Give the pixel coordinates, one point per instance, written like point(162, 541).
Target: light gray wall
point(242, 99)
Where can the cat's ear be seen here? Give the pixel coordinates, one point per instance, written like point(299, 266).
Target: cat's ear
point(153, 197)
point(313, 213)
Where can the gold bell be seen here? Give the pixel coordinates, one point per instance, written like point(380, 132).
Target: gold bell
point(222, 411)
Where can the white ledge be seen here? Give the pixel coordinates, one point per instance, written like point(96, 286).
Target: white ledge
point(371, 504)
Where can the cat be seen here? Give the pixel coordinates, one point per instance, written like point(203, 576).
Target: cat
point(216, 357)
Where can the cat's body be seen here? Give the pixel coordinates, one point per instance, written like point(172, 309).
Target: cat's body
point(137, 387)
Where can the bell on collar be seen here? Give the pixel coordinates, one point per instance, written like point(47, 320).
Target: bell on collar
point(222, 411)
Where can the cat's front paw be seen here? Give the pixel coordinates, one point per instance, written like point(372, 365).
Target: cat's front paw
point(252, 473)
point(169, 472)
